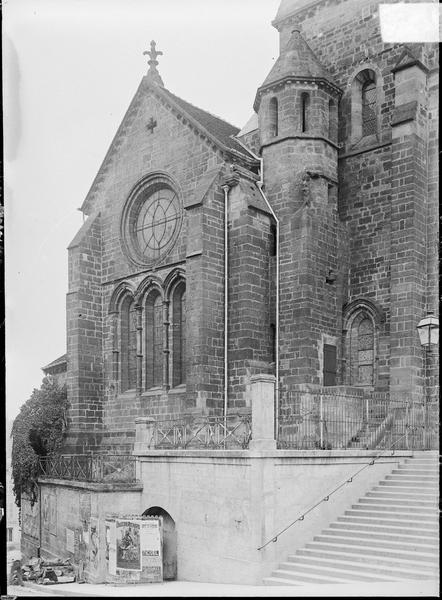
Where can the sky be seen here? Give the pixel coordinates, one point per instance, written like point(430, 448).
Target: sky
point(70, 70)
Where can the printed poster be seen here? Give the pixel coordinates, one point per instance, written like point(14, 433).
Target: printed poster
point(128, 545)
point(151, 550)
point(70, 540)
point(93, 542)
point(112, 549)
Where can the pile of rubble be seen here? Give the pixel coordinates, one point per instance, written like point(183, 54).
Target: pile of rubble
point(48, 571)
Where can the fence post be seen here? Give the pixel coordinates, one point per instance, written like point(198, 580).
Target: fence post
point(321, 420)
point(144, 434)
point(407, 425)
point(263, 412)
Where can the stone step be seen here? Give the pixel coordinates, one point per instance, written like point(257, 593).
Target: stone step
point(404, 510)
point(379, 520)
point(399, 502)
point(368, 511)
point(386, 529)
point(414, 482)
point(414, 470)
point(279, 581)
point(398, 474)
point(392, 493)
point(306, 578)
point(373, 550)
point(386, 486)
point(373, 560)
point(364, 540)
point(339, 570)
point(366, 568)
point(398, 536)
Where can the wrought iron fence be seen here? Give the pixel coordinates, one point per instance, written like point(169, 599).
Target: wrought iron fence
point(89, 467)
point(233, 431)
point(336, 419)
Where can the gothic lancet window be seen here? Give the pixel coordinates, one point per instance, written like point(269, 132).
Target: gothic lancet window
point(361, 349)
point(128, 349)
point(366, 90)
point(369, 118)
point(305, 103)
point(365, 352)
point(179, 335)
point(273, 117)
point(153, 340)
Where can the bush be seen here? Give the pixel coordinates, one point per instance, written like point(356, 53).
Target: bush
point(37, 431)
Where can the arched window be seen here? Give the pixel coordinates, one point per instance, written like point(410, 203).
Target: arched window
point(128, 344)
point(305, 103)
point(361, 349)
point(369, 117)
point(179, 335)
point(273, 117)
point(365, 352)
point(365, 102)
point(154, 340)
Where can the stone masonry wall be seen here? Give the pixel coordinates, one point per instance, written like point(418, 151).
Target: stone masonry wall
point(345, 36)
point(84, 339)
point(250, 239)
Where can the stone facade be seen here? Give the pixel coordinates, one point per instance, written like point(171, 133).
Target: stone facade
point(344, 148)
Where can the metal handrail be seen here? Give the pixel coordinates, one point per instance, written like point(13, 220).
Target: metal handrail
point(327, 497)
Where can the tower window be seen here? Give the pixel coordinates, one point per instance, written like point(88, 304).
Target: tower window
point(329, 374)
point(305, 103)
point(369, 108)
point(273, 117)
point(365, 90)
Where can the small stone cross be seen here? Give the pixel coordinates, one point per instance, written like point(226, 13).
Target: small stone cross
point(153, 53)
point(152, 124)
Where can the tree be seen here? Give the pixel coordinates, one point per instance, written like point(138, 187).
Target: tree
point(37, 431)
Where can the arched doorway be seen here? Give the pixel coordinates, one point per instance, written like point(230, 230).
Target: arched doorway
point(169, 541)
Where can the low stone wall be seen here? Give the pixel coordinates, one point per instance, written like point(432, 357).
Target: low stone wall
point(226, 504)
point(68, 522)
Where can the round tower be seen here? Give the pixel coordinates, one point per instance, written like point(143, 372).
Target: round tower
point(297, 108)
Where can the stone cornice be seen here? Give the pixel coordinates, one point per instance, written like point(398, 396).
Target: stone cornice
point(279, 83)
point(283, 138)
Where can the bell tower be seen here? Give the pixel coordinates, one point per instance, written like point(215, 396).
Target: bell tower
point(297, 107)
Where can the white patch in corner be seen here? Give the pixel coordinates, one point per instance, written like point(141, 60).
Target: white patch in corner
point(410, 23)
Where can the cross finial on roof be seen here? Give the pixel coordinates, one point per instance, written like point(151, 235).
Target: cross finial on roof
point(152, 73)
point(153, 53)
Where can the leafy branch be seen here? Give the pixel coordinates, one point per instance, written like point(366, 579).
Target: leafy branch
point(37, 431)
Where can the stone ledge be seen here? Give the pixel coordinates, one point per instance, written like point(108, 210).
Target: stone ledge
point(317, 455)
point(111, 486)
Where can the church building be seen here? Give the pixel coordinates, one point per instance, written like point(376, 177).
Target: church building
point(243, 304)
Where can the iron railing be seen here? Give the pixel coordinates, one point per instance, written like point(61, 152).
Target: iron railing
point(89, 467)
point(339, 419)
point(212, 432)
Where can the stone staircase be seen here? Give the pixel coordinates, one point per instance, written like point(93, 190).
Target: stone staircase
point(391, 534)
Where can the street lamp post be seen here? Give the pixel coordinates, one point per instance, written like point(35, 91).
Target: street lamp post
point(428, 329)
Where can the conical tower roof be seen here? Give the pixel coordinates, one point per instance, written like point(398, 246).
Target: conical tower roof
point(297, 61)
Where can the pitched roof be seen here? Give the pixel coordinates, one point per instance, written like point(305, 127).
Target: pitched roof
point(56, 363)
point(220, 129)
point(221, 132)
